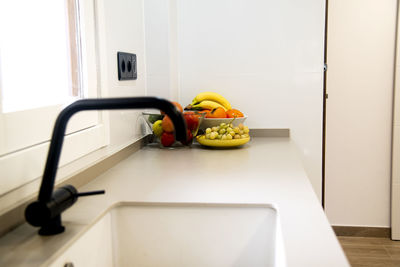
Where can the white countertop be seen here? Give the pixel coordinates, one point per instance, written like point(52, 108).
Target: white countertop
point(267, 170)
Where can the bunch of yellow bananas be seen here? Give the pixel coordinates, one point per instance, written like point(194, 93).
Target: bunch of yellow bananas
point(209, 100)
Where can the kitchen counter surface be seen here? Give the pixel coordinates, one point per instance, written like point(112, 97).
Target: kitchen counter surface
point(267, 170)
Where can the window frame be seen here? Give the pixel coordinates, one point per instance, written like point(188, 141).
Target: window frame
point(22, 151)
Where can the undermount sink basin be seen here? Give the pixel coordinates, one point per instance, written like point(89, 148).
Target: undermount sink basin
point(180, 234)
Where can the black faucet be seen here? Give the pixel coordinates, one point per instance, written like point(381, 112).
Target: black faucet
point(46, 211)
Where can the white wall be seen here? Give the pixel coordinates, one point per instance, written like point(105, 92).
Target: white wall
point(361, 45)
point(161, 48)
point(121, 28)
point(265, 57)
point(158, 74)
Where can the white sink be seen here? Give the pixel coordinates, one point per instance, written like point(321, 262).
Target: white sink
point(180, 234)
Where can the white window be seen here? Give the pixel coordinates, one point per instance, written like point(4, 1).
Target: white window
point(47, 60)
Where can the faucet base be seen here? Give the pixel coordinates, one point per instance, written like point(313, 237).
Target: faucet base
point(53, 227)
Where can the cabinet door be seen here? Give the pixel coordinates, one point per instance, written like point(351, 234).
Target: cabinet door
point(93, 248)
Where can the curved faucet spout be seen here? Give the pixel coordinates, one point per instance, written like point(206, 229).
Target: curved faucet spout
point(57, 139)
point(46, 196)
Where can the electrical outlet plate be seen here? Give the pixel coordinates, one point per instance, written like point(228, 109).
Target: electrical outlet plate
point(127, 69)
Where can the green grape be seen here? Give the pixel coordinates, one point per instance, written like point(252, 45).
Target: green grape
point(226, 131)
point(213, 135)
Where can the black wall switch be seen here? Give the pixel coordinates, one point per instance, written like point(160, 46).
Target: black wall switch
point(126, 66)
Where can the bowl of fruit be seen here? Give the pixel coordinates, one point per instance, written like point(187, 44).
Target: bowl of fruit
point(225, 135)
point(222, 125)
point(215, 117)
point(163, 128)
point(217, 110)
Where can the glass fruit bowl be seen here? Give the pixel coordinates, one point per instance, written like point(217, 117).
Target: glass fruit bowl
point(163, 130)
